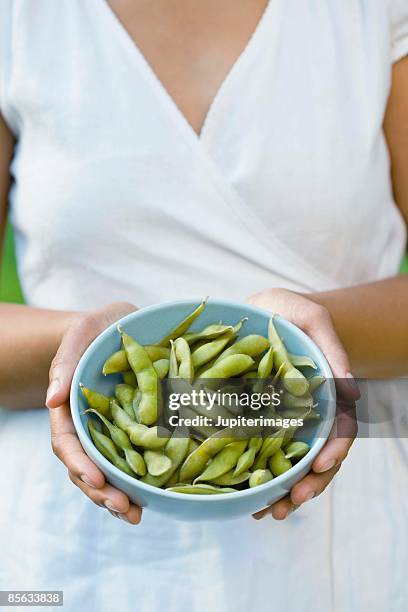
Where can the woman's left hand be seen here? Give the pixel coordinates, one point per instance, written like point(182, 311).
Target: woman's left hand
point(315, 320)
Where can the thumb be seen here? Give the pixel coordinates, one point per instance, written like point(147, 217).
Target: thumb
point(75, 342)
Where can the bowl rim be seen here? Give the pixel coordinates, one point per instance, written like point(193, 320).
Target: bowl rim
point(110, 469)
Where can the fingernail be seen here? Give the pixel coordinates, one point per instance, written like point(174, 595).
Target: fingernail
point(52, 389)
point(86, 480)
point(352, 382)
point(293, 509)
point(309, 496)
point(111, 506)
point(328, 466)
point(123, 517)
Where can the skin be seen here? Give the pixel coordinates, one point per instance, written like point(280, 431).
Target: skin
point(186, 45)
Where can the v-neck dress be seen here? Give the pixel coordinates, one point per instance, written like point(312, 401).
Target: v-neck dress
point(115, 197)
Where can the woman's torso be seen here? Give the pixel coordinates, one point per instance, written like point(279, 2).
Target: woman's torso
point(117, 198)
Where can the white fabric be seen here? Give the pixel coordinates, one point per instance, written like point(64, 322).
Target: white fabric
point(117, 198)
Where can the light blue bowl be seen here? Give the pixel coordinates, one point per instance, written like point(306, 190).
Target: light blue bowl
point(148, 326)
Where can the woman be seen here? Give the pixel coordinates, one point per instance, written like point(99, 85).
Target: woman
point(167, 149)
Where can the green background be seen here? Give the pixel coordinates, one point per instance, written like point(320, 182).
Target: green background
point(10, 290)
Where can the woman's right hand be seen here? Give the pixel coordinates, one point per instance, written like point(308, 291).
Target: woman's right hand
point(65, 443)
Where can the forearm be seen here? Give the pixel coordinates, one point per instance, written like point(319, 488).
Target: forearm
point(372, 322)
point(29, 340)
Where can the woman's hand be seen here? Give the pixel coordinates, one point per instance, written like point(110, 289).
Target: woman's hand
point(66, 446)
point(316, 321)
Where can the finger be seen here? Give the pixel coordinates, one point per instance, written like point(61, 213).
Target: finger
point(133, 516)
point(68, 449)
point(320, 327)
point(114, 500)
point(79, 336)
point(311, 486)
point(279, 510)
point(109, 497)
point(342, 436)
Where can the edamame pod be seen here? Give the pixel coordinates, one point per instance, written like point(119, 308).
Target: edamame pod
point(229, 367)
point(200, 489)
point(140, 435)
point(315, 382)
point(176, 449)
point(296, 450)
point(266, 364)
point(230, 480)
point(161, 367)
point(118, 436)
point(223, 461)
point(183, 326)
point(118, 362)
point(197, 460)
point(246, 460)
point(269, 447)
point(184, 358)
point(96, 400)
point(147, 379)
point(291, 401)
point(107, 448)
point(209, 333)
point(125, 395)
point(157, 462)
point(302, 361)
point(129, 378)
point(135, 461)
point(278, 464)
point(259, 477)
point(252, 345)
point(293, 380)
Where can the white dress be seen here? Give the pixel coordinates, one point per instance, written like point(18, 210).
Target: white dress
point(115, 197)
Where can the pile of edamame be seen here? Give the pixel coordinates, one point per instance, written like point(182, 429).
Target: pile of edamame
point(203, 461)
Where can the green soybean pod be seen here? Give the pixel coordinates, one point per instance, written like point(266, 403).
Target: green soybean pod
point(183, 326)
point(208, 333)
point(246, 461)
point(200, 489)
point(270, 445)
point(140, 435)
point(147, 379)
point(223, 461)
point(135, 461)
point(125, 395)
point(118, 436)
point(107, 448)
point(296, 450)
point(157, 462)
point(252, 345)
point(208, 351)
point(229, 367)
point(292, 401)
point(278, 464)
point(176, 449)
point(197, 460)
point(129, 378)
point(173, 480)
point(173, 363)
point(229, 479)
point(315, 382)
point(266, 364)
point(161, 367)
point(118, 362)
point(302, 361)
point(259, 477)
point(293, 380)
point(184, 358)
point(96, 400)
